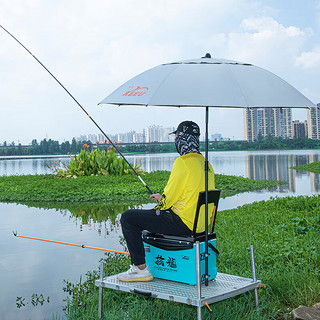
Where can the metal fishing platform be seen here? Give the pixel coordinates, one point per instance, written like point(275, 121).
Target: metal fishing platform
point(224, 286)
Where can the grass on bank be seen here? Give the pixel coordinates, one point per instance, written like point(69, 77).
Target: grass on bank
point(48, 188)
point(311, 167)
point(286, 237)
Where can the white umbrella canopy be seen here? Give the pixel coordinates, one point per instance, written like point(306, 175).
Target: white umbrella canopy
point(208, 82)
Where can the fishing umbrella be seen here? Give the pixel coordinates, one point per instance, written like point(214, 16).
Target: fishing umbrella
point(208, 82)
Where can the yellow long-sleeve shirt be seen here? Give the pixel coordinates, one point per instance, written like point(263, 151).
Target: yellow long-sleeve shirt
point(181, 193)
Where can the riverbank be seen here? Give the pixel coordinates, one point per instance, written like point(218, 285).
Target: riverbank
point(285, 235)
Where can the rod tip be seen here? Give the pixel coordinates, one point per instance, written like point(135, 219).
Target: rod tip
point(15, 233)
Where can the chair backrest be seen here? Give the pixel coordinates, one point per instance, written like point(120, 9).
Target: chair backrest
point(213, 197)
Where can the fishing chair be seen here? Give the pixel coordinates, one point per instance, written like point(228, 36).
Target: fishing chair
point(173, 257)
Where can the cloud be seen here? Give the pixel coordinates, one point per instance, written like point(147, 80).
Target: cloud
point(310, 59)
point(93, 47)
point(266, 41)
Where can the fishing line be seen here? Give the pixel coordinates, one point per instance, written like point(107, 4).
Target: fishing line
point(75, 100)
point(70, 244)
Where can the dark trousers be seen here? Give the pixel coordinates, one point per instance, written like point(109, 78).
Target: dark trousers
point(134, 221)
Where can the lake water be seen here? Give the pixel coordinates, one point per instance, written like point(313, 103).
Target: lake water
point(30, 267)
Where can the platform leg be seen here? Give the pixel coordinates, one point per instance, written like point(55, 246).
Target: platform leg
point(254, 276)
point(199, 313)
point(101, 290)
point(198, 270)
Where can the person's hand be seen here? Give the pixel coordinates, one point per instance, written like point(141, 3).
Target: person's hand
point(156, 197)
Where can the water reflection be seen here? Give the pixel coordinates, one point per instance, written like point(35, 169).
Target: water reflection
point(278, 167)
point(34, 165)
point(104, 218)
point(100, 217)
point(19, 166)
point(153, 162)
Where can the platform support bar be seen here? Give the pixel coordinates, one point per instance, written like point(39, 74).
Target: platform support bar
point(198, 271)
point(254, 276)
point(101, 290)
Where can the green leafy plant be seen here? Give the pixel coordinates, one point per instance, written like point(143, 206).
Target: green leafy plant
point(311, 167)
point(96, 162)
point(45, 188)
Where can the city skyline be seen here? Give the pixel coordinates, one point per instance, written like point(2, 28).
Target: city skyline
point(140, 137)
point(91, 60)
point(153, 133)
point(277, 122)
point(264, 121)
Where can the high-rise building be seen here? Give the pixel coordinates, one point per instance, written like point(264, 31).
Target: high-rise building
point(313, 117)
point(283, 121)
point(299, 129)
point(139, 138)
point(276, 122)
point(216, 137)
point(153, 133)
point(156, 133)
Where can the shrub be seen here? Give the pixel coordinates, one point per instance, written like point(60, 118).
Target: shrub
point(97, 162)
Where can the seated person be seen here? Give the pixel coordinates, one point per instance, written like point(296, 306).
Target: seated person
point(175, 210)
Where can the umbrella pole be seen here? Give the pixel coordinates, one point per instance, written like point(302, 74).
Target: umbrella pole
point(206, 197)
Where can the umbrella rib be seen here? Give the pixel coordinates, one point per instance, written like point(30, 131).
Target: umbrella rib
point(238, 85)
point(159, 86)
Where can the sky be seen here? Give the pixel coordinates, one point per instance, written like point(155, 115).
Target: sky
point(92, 47)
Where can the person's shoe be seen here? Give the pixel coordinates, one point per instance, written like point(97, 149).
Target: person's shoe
point(135, 274)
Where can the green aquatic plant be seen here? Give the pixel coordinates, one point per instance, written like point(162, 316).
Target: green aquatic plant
point(127, 188)
point(95, 162)
point(311, 167)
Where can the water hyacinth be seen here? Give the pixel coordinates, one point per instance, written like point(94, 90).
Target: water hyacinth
point(97, 162)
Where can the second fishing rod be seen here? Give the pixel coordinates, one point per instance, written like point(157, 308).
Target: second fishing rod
point(82, 108)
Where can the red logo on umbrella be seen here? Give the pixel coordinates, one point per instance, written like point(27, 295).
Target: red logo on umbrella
point(138, 91)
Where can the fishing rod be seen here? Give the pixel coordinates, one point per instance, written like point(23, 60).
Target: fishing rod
point(110, 141)
point(70, 244)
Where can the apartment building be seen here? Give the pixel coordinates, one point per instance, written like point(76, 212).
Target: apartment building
point(276, 122)
point(313, 120)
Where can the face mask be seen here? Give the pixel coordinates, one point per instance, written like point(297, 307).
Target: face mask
point(186, 143)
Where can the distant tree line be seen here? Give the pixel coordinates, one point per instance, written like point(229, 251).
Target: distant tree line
point(262, 143)
point(266, 143)
point(52, 147)
point(44, 147)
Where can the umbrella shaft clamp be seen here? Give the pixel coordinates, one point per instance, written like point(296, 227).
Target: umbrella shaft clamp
point(204, 255)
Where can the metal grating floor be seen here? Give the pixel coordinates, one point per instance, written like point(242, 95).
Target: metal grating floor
point(223, 287)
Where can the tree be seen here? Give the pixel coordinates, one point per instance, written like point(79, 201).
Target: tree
point(65, 147)
point(74, 146)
